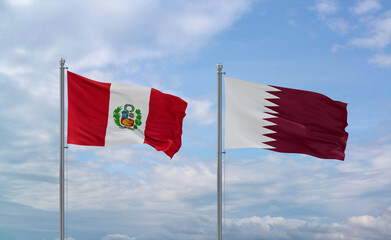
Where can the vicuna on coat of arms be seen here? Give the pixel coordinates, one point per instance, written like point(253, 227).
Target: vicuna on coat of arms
point(129, 118)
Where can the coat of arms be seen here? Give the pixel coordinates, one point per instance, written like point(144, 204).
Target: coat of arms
point(129, 118)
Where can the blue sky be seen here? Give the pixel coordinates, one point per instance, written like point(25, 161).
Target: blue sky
point(338, 48)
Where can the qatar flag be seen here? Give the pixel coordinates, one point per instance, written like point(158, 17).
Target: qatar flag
point(284, 120)
point(109, 114)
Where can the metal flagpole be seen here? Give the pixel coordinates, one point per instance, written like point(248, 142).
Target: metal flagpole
point(62, 68)
point(219, 152)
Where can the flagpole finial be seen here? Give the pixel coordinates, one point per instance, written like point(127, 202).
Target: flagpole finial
point(219, 67)
point(62, 61)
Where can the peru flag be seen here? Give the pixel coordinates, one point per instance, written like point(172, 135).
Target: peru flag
point(284, 120)
point(108, 114)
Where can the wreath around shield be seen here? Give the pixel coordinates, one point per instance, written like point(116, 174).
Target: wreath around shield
point(137, 121)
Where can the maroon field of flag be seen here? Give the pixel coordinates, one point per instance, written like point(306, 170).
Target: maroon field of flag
point(284, 120)
point(107, 114)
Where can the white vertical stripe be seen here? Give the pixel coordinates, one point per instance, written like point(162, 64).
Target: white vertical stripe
point(121, 94)
point(246, 107)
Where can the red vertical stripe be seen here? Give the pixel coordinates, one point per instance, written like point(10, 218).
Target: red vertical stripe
point(163, 129)
point(309, 123)
point(88, 106)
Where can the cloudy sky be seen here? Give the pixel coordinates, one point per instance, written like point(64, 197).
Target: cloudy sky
point(338, 48)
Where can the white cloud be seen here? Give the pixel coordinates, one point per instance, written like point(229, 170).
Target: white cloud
point(364, 173)
point(262, 228)
point(107, 182)
point(99, 34)
point(97, 58)
point(337, 47)
point(20, 3)
point(292, 22)
point(201, 112)
point(198, 20)
point(325, 7)
point(365, 6)
point(338, 25)
point(365, 227)
point(358, 228)
point(267, 221)
point(118, 237)
point(382, 60)
point(378, 35)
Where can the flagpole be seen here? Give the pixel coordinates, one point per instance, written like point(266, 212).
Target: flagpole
point(219, 152)
point(62, 68)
